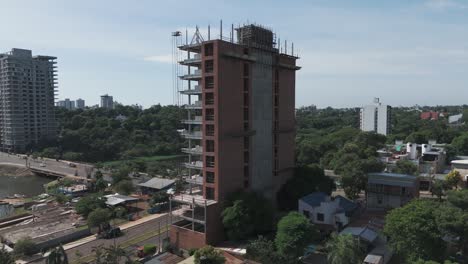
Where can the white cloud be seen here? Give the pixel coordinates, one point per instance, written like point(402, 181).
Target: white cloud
point(382, 62)
point(445, 4)
point(160, 58)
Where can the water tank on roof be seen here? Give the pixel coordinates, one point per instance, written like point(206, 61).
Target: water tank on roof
point(425, 148)
point(411, 150)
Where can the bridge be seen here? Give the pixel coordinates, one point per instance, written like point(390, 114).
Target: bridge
point(49, 167)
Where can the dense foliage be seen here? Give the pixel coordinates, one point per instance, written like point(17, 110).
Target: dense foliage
point(246, 215)
point(417, 229)
point(306, 180)
point(294, 234)
point(100, 134)
point(209, 255)
point(344, 249)
point(321, 133)
point(6, 257)
point(25, 247)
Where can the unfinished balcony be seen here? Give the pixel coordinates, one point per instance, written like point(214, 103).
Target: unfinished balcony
point(195, 47)
point(191, 213)
point(196, 165)
point(194, 61)
point(197, 120)
point(194, 199)
point(194, 105)
point(196, 179)
point(193, 76)
point(197, 150)
point(197, 89)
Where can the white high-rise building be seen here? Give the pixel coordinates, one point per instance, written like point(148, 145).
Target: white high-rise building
point(376, 118)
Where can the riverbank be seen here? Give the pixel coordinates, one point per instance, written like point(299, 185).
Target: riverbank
point(9, 169)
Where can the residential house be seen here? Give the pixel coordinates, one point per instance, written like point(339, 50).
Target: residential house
point(329, 213)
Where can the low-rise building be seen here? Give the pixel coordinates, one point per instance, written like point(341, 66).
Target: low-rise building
point(74, 190)
point(156, 184)
point(390, 190)
point(329, 213)
point(462, 167)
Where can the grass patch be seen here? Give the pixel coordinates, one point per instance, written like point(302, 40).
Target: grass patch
point(116, 163)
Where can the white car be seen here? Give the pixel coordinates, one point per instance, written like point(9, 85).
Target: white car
point(42, 165)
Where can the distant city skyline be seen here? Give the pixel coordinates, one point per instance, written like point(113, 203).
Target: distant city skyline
point(405, 52)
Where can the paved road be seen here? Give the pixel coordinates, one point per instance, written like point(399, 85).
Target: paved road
point(61, 167)
point(133, 233)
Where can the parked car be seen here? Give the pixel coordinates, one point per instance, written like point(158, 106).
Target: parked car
point(111, 233)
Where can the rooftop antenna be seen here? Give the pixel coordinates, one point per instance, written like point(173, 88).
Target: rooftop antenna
point(292, 49)
point(209, 32)
point(232, 32)
point(286, 47)
point(221, 29)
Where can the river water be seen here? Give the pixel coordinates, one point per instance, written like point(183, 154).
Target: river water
point(26, 185)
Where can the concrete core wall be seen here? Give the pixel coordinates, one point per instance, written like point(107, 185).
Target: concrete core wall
point(262, 123)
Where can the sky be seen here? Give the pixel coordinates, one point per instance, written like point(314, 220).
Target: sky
point(405, 52)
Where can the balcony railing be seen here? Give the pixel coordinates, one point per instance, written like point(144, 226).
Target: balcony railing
point(194, 61)
point(194, 105)
point(196, 121)
point(197, 165)
point(197, 89)
point(191, 135)
point(198, 150)
point(196, 75)
point(195, 179)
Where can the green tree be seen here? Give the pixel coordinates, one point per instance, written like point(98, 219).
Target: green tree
point(262, 250)
point(459, 199)
point(438, 188)
point(453, 179)
point(294, 233)
point(247, 214)
point(61, 198)
point(209, 255)
point(344, 249)
point(99, 217)
point(124, 187)
point(406, 167)
point(408, 238)
point(306, 179)
point(6, 257)
point(236, 221)
point(159, 197)
point(89, 203)
point(100, 184)
point(57, 256)
point(460, 144)
point(24, 247)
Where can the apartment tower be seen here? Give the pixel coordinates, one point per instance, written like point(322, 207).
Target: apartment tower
point(27, 95)
point(376, 118)
point(240, 127)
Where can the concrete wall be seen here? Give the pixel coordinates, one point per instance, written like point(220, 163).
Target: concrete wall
point(186, 238)
point(262, 117)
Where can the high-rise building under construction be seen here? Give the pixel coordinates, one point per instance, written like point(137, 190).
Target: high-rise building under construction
point(240, 126)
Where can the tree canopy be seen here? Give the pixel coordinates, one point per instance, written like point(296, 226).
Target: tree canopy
point(209, 255)
point(414, 230)
point(247, 214)
point(306, 179)
point(294, 233)
point(99, 134)
point(344, 249)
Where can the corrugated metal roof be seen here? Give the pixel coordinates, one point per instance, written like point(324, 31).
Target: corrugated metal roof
point(157, 183)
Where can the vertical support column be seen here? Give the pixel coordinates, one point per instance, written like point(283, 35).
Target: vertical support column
point(193, 214)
